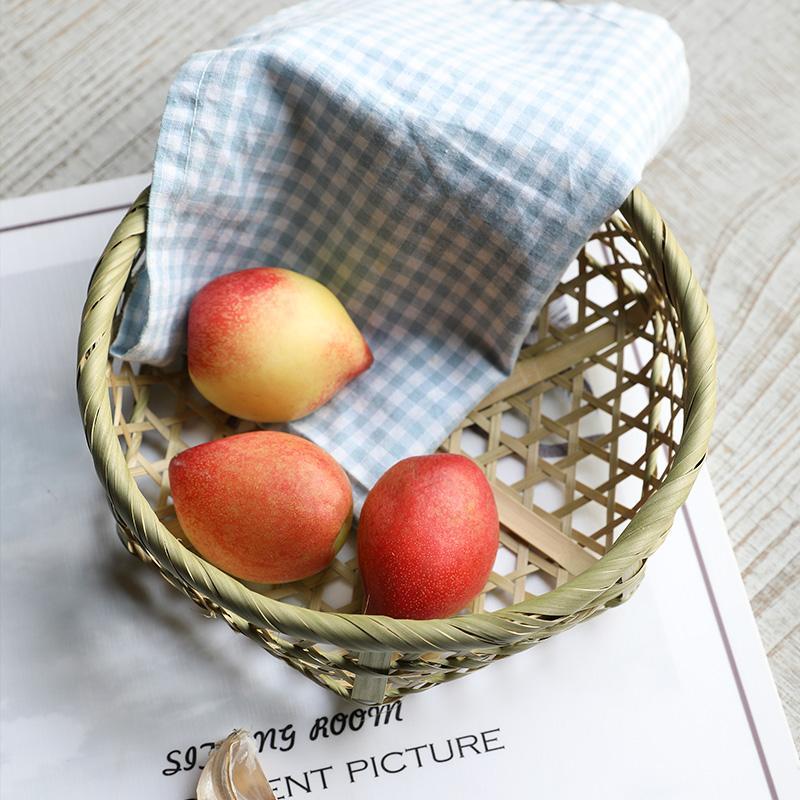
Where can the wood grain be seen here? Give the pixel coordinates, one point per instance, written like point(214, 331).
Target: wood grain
point(729, 185)
point(84, 83)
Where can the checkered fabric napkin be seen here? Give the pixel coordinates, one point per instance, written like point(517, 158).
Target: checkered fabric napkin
point(436, 164)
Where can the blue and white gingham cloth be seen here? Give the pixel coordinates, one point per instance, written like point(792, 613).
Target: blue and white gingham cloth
point(436, 164)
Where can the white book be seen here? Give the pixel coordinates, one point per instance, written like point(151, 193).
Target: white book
point(114, 686)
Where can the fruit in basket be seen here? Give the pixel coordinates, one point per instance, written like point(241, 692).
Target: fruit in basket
point(271, 345)
point(427, 537)
point(264, 506)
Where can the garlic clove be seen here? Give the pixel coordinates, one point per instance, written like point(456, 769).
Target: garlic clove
point(233, 772)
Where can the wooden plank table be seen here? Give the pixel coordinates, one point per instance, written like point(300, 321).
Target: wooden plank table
point(84, 85)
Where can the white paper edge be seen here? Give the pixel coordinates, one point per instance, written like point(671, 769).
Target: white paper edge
point(737, 625)
point(75, 201)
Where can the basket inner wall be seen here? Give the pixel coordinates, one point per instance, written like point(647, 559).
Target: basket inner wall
point(574, 442)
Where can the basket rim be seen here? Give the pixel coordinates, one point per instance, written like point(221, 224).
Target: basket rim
point(613, 573)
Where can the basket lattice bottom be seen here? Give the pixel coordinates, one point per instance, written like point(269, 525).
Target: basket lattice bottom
point(574, 442)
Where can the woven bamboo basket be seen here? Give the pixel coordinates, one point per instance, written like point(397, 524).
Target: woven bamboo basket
point(591, 446)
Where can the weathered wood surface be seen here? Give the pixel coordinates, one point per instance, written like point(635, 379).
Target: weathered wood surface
point(83, 87)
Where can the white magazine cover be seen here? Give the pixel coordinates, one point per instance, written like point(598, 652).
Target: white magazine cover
point(113, 686)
